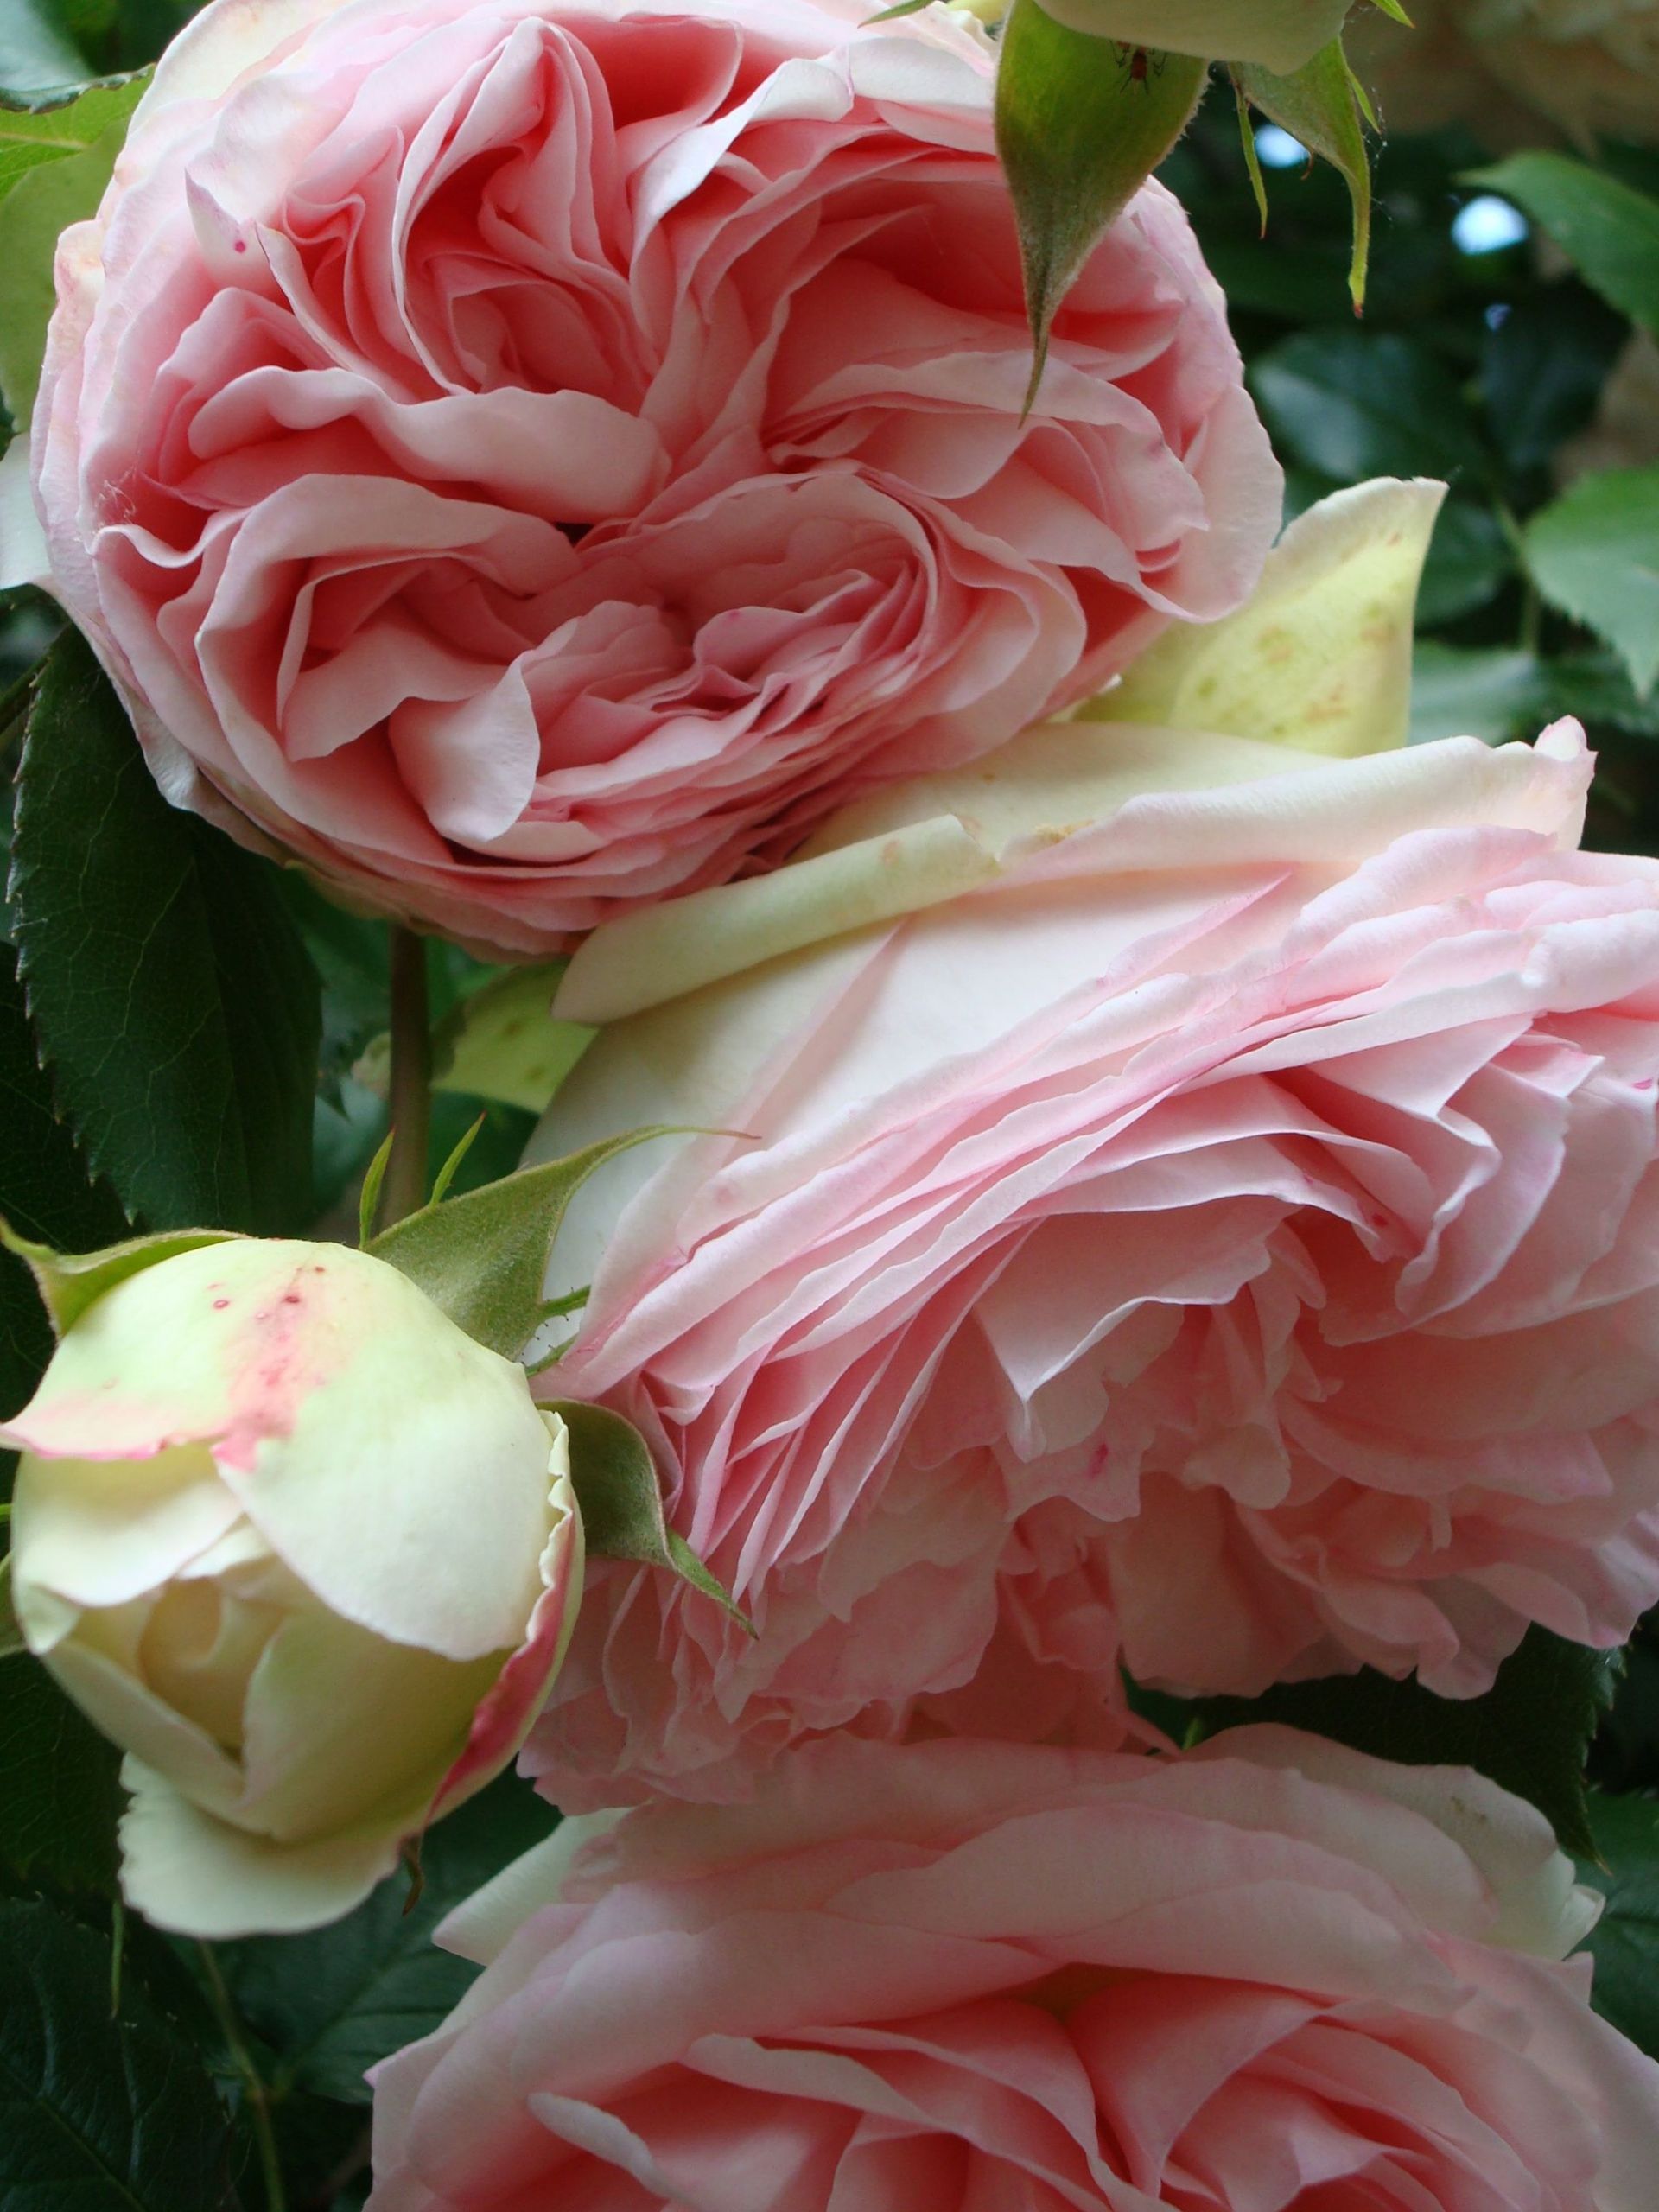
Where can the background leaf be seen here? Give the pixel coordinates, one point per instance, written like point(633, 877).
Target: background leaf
point(97, 2114)
point(35, 56)
point(60, 1798)
point(1594, 553)
point(1353, 404)
point(33, 135)
point(1608, 230)
point(45, 1192)
point(1529, 1733)
point(40, 204)
point(167, 982)
point(328, 2005)
point(1624, 1944)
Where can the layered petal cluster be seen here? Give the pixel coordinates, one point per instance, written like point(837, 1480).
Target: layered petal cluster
point(1220, 1234)
point(529, 457)
point(1272, 1976)
point(307, 1553)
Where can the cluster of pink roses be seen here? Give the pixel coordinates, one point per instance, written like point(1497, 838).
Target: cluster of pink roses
point(1163, 1202)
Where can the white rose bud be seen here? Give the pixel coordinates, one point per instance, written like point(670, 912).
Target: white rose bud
point(306, 1552)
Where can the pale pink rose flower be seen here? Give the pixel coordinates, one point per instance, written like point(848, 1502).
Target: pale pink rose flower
point(1227, 1241)
point(1273, 1975)
point(524, 456)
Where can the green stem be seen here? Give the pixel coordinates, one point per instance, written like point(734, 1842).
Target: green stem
point(264, 2135)
point(405, 1189)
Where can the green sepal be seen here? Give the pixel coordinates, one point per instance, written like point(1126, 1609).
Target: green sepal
point(614, 1478)
point(1324, 106)
point(71, 1281)
point(1081, 125)
point(368, 1199)
point(12, 1639)
point(482, 1257)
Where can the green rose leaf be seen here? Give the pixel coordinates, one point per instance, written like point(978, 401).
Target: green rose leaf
point(1081, 124)
point(101, 2110)
point(169, 987)
point(45, 1191)
point(1320, 104)
point(54, 163)
point(1528, 1734)
point(59, 1799)
point(1608, 230)
point(1594, 553)
point(615, 1481)
point(1485, 691)
point(37, 135)
point(330, 2004)
point(1352, 403)
point(1624, 1942)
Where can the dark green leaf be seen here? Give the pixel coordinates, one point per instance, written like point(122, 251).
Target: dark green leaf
point(1353, 404)
point(1081, 124)
point(1624, 1944)
point(1471, 558)
point(1596, 686)
point(97, 2114)
point(1544, 367)
point(168, 987)
point(1483, 691)
point(330, 2004)
point(353, 956)
point(615, 1481)
point(483, 1256)
point(44, 1192)
point(1608, 231)
point(1594, 553)
point(58, 1795)
point(1529, 1732)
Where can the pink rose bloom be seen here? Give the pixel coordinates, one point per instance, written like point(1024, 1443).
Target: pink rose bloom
point(1271, 1974)
point(1224, 1237)
point(524, 456)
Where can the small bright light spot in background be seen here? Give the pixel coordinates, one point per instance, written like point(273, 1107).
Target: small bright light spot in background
point(1277, 150)
point(1498, 313)
point(1486, 225)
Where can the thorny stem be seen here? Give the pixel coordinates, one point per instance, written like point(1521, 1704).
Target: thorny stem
point(258, 2096)
point(405, 1189)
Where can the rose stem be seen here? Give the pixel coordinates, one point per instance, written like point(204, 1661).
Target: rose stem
point(270, 2166)
point(405, 1189)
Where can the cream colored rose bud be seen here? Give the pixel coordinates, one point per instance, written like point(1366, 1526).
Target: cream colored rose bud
point(306, 1552)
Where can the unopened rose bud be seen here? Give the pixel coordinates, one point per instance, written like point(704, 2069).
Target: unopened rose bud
point(306, 1552)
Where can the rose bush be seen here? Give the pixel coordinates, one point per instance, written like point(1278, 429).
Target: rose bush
point(306, 1552)
point(1271, 1976)
point(533, 456)
point(1183, 1204)
point(1590, 68)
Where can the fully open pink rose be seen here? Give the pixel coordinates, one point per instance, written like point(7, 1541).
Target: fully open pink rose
point(527, 455)
point(1274, 1976)
point(1227, 1239)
